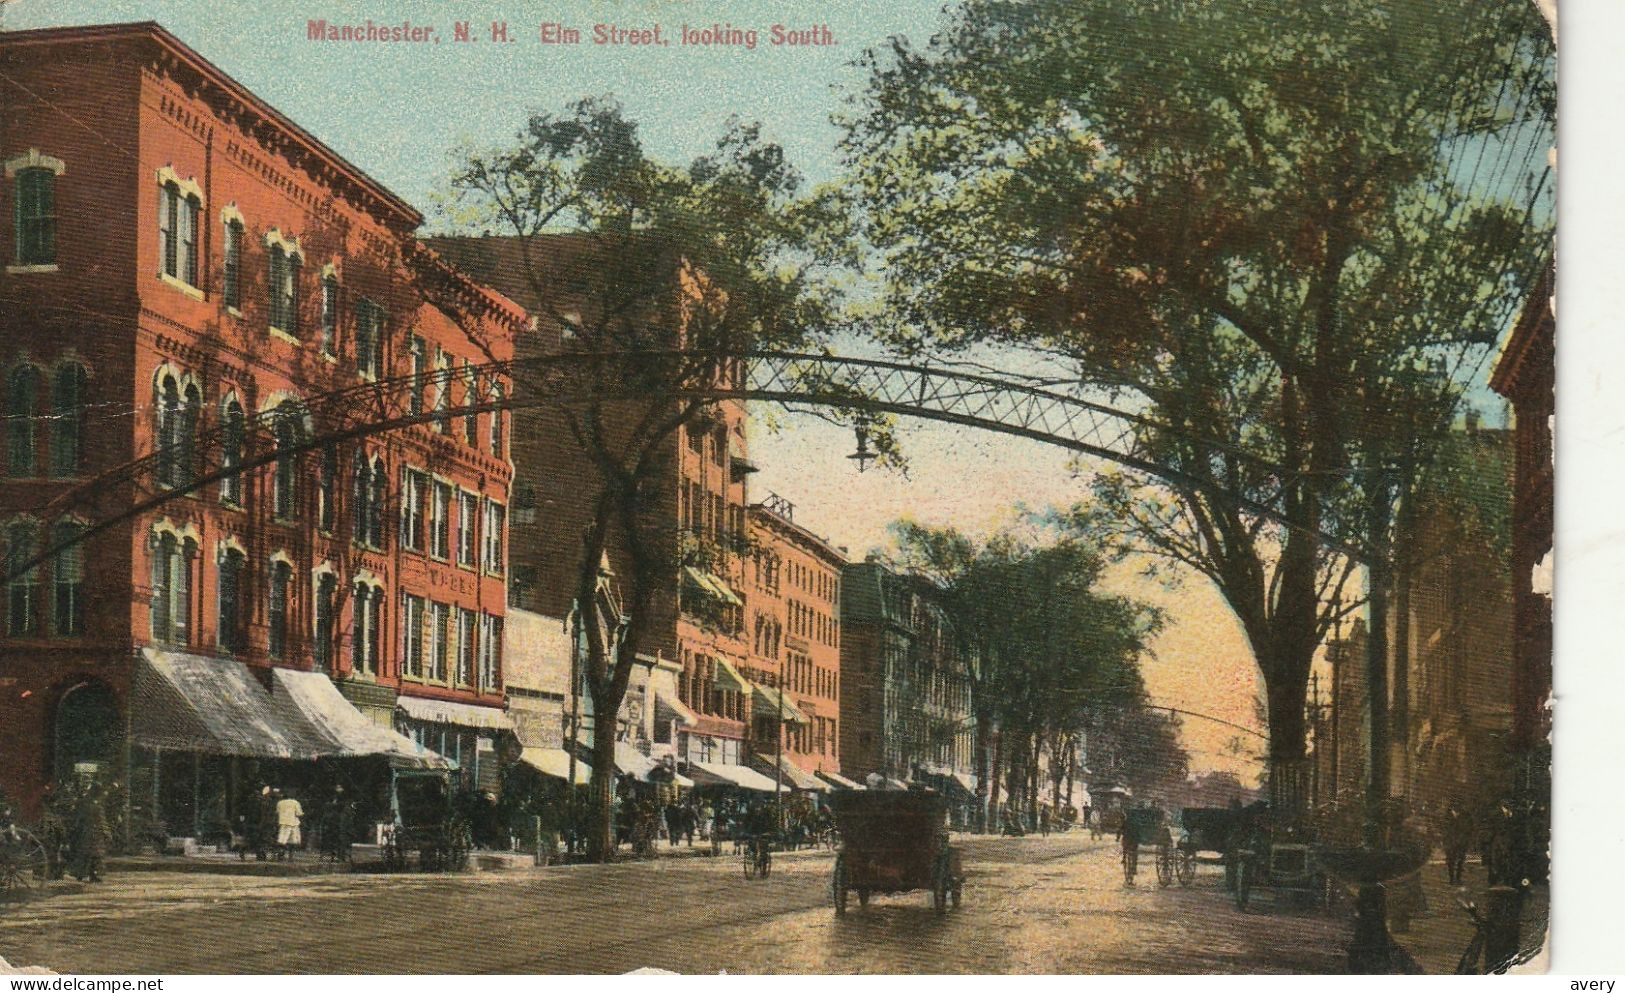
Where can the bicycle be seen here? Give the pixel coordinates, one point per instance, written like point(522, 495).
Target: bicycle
point(757, 857)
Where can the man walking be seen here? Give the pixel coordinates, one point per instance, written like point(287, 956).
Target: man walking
point(1457, 832)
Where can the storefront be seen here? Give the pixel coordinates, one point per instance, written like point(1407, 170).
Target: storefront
point(466, 734)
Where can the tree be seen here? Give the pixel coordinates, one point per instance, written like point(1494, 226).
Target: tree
point(1052, 650)
point(1252, 223)
point(672, 272)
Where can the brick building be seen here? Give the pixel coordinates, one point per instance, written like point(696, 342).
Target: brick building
point(905, 686)
point(695, 511)
point(184, 267)
point(793, 616)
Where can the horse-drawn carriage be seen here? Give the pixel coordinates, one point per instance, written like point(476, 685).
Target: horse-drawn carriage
point(893, 841)
point(426, 822)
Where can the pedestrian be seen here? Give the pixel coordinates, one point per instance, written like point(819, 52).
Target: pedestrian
point(89, 836)
point(336, 827)
point(265, 823)
point(289, 814)
point(1457, 834)
point(1043, 820)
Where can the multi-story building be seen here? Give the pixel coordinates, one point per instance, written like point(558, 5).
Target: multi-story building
point(905, 686)
point(793, 616)
point(185, 271)
point(695, 508)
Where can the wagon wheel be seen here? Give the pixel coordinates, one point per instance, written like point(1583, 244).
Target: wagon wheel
point(1244, 883)
point(1165, 866)
point(837, 887)
point(941, 883)
point(1185, 867)
point(23, 863)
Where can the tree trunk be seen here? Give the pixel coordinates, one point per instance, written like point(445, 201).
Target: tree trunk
point(993, 781)
point(984, 727)
point(601, 842)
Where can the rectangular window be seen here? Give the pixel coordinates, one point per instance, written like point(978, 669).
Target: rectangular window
point(412, 635)
point(413, 485)
point(277, 615)
point(440, 521)
point(467, 646)
point(22, 590)
point(69, 572)
point(490, 652)
point(36, 217)
point(230, 621)
point(369, 337)
point(187, 233)
point(330, 316)
point(326, 604)
point(442, 392)
point(440, 647)
point(467, 509)
point(360, 623)
point(496, 422)
point(232, 288)
point(169, 200)
point(495, 525)
point(327, 490)
point(276, 274)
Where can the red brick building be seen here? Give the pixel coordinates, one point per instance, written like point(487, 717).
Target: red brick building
point(698, 503)
point(181, 259)
point(794, 620)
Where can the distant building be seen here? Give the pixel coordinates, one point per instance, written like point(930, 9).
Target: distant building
point(905, 686)
point(793, 617)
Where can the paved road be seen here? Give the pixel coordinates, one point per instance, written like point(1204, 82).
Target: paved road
point(1055, 905)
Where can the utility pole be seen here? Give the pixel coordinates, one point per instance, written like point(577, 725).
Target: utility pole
point(578, 645)
point(778, 756)
point(1372, 950)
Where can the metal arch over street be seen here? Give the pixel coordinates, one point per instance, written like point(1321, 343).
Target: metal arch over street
point(375, 407)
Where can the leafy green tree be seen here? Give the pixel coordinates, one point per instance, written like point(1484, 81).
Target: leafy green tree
point(1282, 232)
point(665, 274)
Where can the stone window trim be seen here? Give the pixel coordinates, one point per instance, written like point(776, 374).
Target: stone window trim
point(33, 159)
point(275, 237)
point(187, 186)
point(226, 545)
point(231, 216)
point(188, 190)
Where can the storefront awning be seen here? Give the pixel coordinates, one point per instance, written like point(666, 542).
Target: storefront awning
point(192, 703)
point(738, 776)
point(450, 712)
point(966, 780)
point(769, 701)
point(794, 776)
point(668, 708)
point(728, 678)
point(555, 763)
point(310, 699)
point(837, 780)
point(713, 585)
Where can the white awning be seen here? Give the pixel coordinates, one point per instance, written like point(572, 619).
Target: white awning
point(836, 779)
point(794, 775)
point(728, 678)
point(451, 712)
point(311, 699)
point(193, 703)
point(555, 762)
point(723, 774)
point(666, 699)
point(966, 780)
point(769, 702)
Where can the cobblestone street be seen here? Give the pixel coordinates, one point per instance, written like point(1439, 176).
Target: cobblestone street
point(1055, 905)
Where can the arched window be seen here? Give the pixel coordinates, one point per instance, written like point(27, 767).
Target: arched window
point(68, 574)
point(327, 588)
point(177, 233)
point(360, 495)
point(172, 588)
point(68, 420)
point(276, 272)
point(327, 489)
point(88, 729)
point(36, 216)
point(281, 589)
point(22, 591)
point(186, 435)
point(285, 478)
point(168, 430)
point(231, 452)
point(21, 408)
point(330, 315)
point(233, 603)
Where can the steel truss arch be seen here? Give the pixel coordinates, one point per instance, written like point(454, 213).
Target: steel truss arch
point(882, 386)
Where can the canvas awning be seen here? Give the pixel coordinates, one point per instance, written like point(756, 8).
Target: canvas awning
point(795, 776)
point(712, 585)
point(728, 678)
point(555, 763)
point(838, 780)
point(310, 699)
point(674, 709)
point(966, 780)
point(451, 712)
point(193, 703)
point(768, 702)
point(723, 774)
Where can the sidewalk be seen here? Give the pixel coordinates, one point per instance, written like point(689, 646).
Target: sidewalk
point(1439, 935)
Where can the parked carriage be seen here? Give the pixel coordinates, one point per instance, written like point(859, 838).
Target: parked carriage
point(893, 841)
point(24, 862)
point(427, 823)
